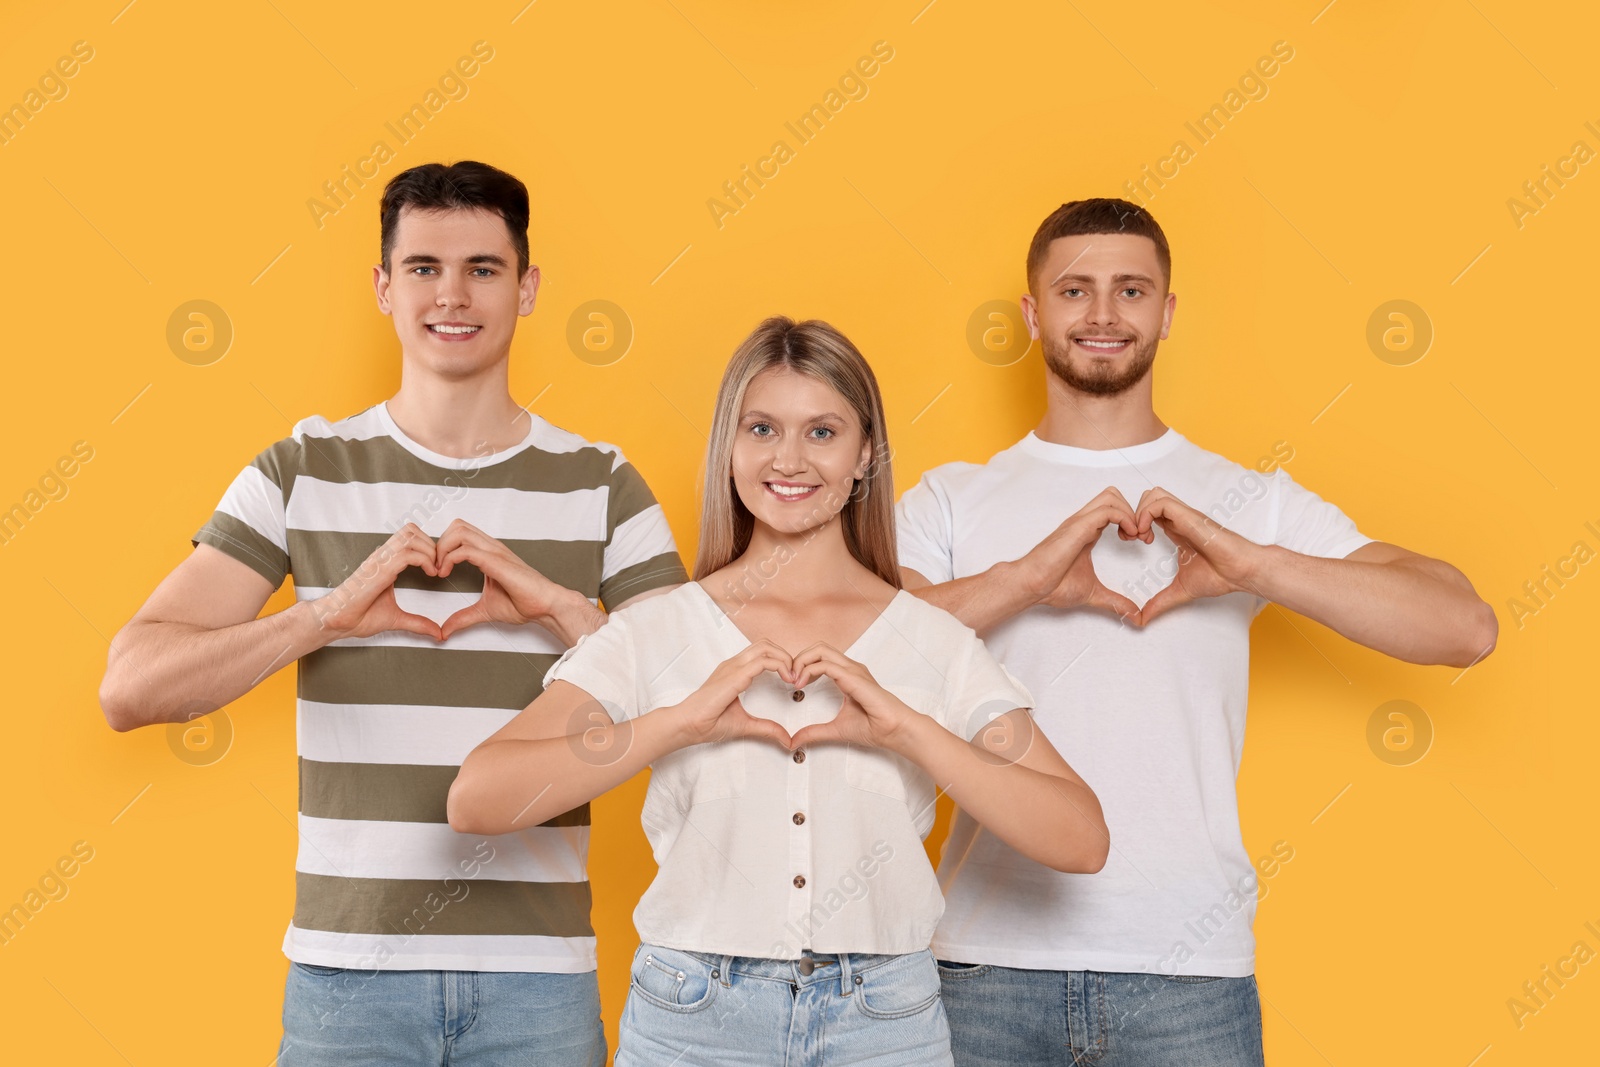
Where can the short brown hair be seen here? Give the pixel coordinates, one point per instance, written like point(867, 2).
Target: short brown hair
point(466, 185)
point(1098, 215)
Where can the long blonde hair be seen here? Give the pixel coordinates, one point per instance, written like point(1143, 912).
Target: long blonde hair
point(819, 351)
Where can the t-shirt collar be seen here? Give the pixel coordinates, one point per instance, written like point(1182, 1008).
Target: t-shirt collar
point(1071, 455)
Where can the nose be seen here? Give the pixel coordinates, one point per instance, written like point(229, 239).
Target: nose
point(452, 291)
point(1102, 308)
point(788, 459)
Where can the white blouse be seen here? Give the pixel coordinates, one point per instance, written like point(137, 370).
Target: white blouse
point(763, 852)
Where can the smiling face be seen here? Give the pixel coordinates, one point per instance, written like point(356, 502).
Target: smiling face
point(797, 451)
point(453, 289)
point(1099, 307)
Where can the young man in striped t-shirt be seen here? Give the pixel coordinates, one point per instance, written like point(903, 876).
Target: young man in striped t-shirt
point(446, 546)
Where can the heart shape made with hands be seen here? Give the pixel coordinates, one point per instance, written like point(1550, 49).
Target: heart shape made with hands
point(1204, 551)
point(513, 592)
point(864, 712)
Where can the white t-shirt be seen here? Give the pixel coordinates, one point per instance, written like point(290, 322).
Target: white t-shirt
point(1153, 719)
point(763, 852)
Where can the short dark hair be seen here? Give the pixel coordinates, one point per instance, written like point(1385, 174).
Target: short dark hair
point(1098, 215)
point(467, 185)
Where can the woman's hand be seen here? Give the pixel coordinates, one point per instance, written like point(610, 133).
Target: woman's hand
point(713, 712)
point(870, 714)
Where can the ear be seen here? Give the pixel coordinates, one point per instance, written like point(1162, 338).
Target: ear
point(380, 285)
point(865, 463)
point(1166, 319)
point(1030, 315)
point(529, 290)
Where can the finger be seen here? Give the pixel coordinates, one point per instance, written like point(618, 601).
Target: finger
point(1164, 601)
point(417, 624)
point(471, 615)
point(766, 730)
point(1116, 603)
point(817, 733)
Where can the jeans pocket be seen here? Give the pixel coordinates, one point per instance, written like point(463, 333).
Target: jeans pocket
point(316, 970)
point(952, 970)
point(903, 987)
point(673, 980)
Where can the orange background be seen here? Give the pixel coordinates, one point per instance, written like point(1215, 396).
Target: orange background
point(1377, 166)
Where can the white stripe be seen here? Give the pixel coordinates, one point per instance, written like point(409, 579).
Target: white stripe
point(418, 734)
point(529, 638)
point(448, 952)
point(255, 501)
point(363, 426)
point(383, 507)
point(354, 848)
point(642, 537)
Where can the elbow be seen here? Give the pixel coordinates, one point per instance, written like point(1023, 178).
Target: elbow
point(117, 704)
point(1482, 633)
point(464, 810)
point(1088, 858)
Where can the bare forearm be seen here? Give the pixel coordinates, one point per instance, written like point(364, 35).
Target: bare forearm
point(159, 672)
point(1421, 611)
point(573, 617)
point(1052, 820)
point(515, 782)
point(982, 601)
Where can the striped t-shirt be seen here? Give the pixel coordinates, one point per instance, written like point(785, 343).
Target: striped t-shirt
point(384, 722)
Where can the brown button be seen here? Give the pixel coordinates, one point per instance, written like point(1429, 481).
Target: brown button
point(799, 817)
point(798, 694)
point(800, 755)
point(799, 881)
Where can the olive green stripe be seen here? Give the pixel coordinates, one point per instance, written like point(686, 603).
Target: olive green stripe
point(383, 459)
point(280, 461)
point(389, 792)
point(450, 678)
point(241, 541)
point(406, 907)
point(653, 573)
point(324, 558)
point(629, 495)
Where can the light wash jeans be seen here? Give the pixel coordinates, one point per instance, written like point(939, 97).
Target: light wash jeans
point(360, 1018)
point(1017, 1018)
point(696, 1009)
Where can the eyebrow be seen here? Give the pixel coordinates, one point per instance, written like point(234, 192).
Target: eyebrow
point(774, 418)
point(1065, 277)
point(423, 259)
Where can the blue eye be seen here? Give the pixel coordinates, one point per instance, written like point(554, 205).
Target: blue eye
point(760, 426)
point(418, 269)
point(1135, 292)
point(824, 429)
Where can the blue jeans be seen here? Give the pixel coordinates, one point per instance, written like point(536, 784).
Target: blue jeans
point(1017, 1018)
point(697, 1009)
point(362, 1018)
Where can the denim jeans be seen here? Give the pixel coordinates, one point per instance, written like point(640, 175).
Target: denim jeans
point(696, 1009)
point(357, 1018)
point(1019, 1018)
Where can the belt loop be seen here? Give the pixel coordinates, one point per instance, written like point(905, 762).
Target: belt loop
point(846, 986)
point(727, 970)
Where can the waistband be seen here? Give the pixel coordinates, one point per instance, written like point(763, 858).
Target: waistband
point(842, 968)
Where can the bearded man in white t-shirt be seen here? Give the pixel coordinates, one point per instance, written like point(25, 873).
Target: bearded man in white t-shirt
point(1115, 567)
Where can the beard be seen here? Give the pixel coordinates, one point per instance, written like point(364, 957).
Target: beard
point(1100, 378)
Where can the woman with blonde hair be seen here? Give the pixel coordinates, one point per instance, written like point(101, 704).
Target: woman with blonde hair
point(796, 708)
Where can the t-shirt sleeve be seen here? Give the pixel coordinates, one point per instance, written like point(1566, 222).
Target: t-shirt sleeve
point(1310, 525)
point(640, 553)
point(979, 688)
point(605, 665)
point(249, 522)
point(923, 531)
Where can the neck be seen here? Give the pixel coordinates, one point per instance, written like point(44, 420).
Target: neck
point(794, 567)
point(1084, 420)
point(459, 417)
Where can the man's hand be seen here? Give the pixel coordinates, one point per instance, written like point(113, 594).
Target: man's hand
point(364, 603)
point(1212, 560)
point(1059, 569)
point(513, 592)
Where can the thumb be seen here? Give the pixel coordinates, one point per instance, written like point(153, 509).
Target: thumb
point(810, 735)
point(1162, 602)
point(471, 615)
point(1116, 603)
point(417, 624)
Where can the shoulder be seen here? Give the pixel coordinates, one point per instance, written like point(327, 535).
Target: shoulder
point(929, 627)
point(552, 439)
point(665, 613)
